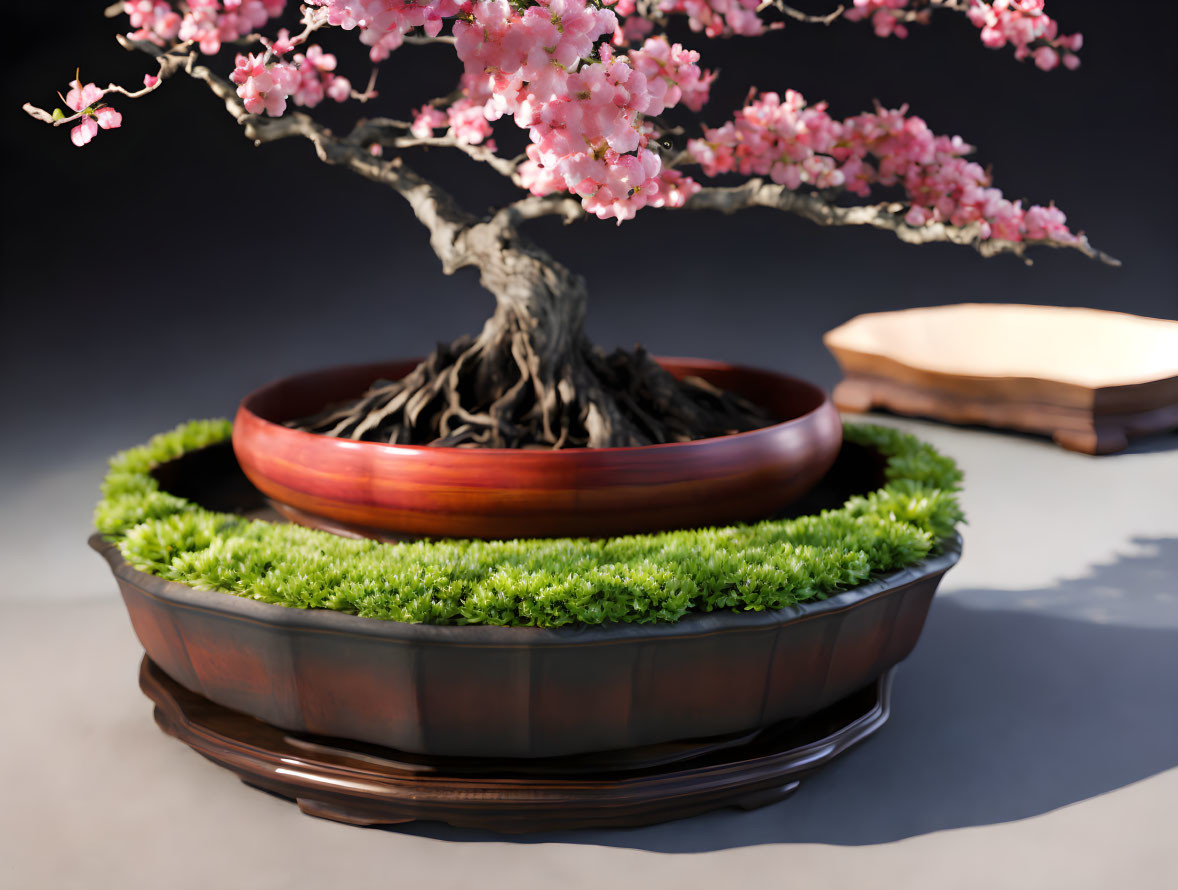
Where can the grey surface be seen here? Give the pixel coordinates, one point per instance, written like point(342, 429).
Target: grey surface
point(1034, 740)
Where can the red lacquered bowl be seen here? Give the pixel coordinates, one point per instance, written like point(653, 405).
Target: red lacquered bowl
point(379, 490)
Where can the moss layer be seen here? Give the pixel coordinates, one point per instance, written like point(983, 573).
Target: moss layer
point(542, 582)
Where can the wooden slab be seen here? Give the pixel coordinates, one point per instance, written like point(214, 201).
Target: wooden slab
point(1090, 379)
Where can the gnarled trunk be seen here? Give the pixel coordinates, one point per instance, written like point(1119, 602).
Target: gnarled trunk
point(531, 379)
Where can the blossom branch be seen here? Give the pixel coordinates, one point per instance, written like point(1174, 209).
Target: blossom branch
point(798, 15)
point(921, 11)
point(391, 133)
point(451, 228)
point(889, 217)
point(1024, 26)
point(151, 84)
point(426, 40)
point(369, 91)
point(535, 207)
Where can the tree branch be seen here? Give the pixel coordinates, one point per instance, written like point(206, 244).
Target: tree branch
point(435, 208)
point(921, 14)
point(889, 217)
point(426, 40)
point(391, 133)
point(47, 117)
point(533, 207)
point(798, 15)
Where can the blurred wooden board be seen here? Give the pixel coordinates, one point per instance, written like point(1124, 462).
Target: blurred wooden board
point(1089, 378)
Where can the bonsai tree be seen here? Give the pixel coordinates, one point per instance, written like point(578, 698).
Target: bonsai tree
point(606, 100)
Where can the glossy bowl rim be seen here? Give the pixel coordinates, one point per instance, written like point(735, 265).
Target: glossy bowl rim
point(562, 455)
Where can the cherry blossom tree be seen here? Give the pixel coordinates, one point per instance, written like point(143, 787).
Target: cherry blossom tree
point(607, 102)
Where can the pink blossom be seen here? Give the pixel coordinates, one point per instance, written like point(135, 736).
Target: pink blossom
point(384, 23)
point(585, 118)
point(800, 146)
point(717, 18)
point(311, 77)
point(427, 119)
point(262, 89)
point(1022, 24)
point(468, 122)
point(153, 20)
point(210, 23)
point(1046, 58)
point(84, 100)
point(282, 43)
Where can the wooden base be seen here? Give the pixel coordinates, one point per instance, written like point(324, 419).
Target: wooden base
point(367, 785)
point(1091, 380)
point(1076, 428)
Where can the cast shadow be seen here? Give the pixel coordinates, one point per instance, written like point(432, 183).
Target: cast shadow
point(1009, 707)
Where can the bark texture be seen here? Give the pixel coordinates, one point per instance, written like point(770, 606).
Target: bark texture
point(531, 379)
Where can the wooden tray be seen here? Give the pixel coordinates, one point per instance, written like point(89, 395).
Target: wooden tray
point(1088, 378)
point(367, 785)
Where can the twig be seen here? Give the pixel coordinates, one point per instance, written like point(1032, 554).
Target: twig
point(47, 117)
point(370, 90)
point(390, 133)
point(426, 40)
point(533, 207)
point(800, 16)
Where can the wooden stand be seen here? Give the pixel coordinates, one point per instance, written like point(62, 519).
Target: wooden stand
point(1090, 379)
point(367, 785)
point(1085, 429)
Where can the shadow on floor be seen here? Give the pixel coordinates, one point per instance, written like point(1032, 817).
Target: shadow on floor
point(1005, 710)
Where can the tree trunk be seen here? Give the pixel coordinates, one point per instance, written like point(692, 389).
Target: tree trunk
point(531, 379)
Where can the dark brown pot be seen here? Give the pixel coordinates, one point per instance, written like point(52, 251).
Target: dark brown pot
point(387, 490)
point(525, 692)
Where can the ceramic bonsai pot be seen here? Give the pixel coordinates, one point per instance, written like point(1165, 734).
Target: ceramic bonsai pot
point(520, 692)
point(387, 491)
point(1090, 379)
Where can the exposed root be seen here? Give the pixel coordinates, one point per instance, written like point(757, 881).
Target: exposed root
point(495, 391)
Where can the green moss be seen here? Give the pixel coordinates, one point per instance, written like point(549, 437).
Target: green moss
point(542, 582)
point(131, 496)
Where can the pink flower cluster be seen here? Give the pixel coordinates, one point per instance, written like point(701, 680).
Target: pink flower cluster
point(466, 120)
point(661, 62)
point(383, 24)
point(153, 20)
point(1021, 23)
point(795, 144)
point(317, 78)
point(85, 99)
point(885, 16)
point(265, 86)
point(208, 23)
point(585, 118)
point(632, 28)
point(718, 17)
